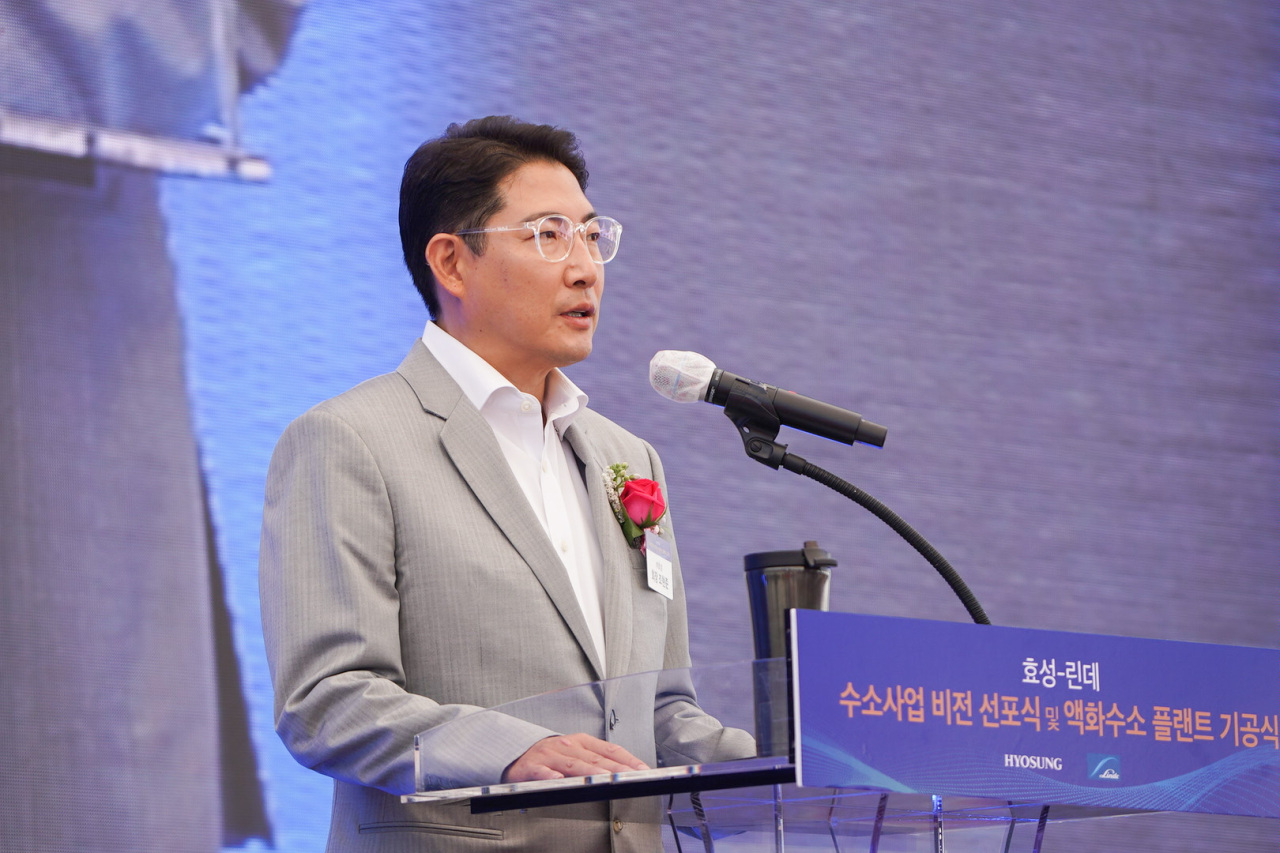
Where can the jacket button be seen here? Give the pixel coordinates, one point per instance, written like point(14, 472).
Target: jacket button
point(617, 824)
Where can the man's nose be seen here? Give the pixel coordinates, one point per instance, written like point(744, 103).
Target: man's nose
point(582, 267)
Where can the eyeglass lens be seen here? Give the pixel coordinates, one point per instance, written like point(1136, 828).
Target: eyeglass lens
point(555, 235)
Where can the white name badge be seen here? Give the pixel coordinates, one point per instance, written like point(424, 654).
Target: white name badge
point(657, 553)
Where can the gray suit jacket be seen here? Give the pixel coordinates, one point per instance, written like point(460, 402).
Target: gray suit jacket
point(406, 583)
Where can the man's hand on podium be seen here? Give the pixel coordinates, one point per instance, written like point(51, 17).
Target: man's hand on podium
point(570, 755)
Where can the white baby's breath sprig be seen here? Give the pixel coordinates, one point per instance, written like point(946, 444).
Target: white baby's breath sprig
point(611, 491)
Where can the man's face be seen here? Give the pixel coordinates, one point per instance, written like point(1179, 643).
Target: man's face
point(521, 313)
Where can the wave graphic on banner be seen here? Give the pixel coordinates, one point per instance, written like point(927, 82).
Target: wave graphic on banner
point(1243, 783)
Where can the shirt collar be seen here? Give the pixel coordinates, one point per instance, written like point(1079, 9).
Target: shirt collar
point(482, 383)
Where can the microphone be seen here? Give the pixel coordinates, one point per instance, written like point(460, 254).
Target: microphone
point(688, 376)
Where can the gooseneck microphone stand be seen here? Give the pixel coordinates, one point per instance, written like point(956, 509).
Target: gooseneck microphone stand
point(753, 414)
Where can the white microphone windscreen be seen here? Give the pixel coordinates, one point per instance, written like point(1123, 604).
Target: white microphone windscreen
point(680, 376)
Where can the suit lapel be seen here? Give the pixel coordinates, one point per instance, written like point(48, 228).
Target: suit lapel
point(616, 555)
point(469, 441)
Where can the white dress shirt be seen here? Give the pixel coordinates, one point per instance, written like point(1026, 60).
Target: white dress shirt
point(542, 461)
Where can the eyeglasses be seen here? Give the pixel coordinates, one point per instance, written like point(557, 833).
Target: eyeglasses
point(555, 233)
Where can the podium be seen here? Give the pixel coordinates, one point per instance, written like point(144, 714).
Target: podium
point(884, 753)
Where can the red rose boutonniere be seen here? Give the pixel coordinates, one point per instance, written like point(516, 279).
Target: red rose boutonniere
point(637, 503)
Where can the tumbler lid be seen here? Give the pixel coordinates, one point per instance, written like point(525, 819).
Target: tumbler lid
point(811, 557)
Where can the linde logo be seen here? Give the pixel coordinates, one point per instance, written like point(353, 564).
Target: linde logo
point(1103, 766)
point(1032, 762)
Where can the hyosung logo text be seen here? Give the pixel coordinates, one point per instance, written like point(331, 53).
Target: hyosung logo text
point(1032, 762)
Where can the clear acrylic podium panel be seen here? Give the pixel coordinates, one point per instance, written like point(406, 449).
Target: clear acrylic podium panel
point(750, 802)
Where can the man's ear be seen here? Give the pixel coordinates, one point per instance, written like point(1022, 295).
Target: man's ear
point(448, 255)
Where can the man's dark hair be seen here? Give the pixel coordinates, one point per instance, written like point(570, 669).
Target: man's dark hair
point(451, 183)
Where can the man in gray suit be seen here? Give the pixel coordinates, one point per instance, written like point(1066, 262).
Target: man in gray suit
point(440, 540)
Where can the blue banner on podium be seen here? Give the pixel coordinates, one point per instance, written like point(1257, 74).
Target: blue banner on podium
point(909, 705)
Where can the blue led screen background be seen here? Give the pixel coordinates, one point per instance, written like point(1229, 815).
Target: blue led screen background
point(1037, 241)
